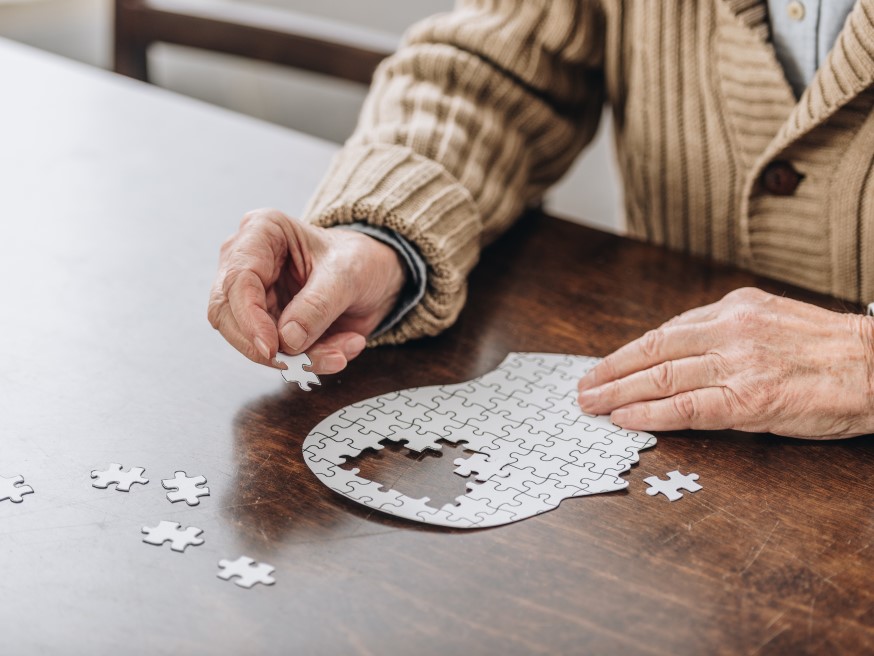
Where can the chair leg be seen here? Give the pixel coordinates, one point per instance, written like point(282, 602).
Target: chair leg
point(130, 51)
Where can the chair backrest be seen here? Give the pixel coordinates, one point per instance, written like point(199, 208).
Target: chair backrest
point(247, 30)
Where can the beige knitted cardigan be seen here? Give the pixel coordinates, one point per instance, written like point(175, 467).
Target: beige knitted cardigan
point(484, 107)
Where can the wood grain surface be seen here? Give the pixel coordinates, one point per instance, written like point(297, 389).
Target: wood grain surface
point(107, 357)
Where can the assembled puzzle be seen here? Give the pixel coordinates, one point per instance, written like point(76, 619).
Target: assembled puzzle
point(532, 445)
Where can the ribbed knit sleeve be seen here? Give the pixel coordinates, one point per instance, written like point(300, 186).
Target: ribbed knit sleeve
point(479, 111)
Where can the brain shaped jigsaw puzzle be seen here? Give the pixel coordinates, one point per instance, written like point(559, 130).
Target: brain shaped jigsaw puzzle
point(532, 445)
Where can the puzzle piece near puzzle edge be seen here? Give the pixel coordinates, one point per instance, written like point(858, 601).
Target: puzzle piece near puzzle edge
point(336, 428)
point(672, 486)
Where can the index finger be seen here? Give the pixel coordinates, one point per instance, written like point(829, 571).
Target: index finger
point(251, 266)
point(248, 302)
point(710, 408)
point(655, 347)
point(223, 320)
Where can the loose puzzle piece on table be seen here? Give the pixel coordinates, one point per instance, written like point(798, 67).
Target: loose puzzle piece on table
point(115, 474)
point(671, 487)
point(297, 370)
point(13, 489)
point(185, 488)
point(246, 571)
point(533, 446)
point(173, 533)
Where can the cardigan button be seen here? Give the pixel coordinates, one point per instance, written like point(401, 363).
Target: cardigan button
point(795, 10)
point(780, 178)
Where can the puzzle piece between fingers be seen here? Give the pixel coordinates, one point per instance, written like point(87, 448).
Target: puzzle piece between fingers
point(297, 370)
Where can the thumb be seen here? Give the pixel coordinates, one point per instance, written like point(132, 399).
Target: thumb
point(312, 311)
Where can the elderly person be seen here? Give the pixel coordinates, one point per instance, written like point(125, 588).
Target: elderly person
point(745, 134)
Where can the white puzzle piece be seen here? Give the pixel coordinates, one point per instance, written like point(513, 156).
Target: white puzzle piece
point(173, 533)
point(246, 572)
point(116, 475)
point(484, 466)
point(533, 446)
point(297, 370)
point(671, 487)
point(185, 488)
point(14, 489)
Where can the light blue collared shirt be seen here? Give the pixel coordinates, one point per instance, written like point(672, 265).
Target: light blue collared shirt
point(804, 32)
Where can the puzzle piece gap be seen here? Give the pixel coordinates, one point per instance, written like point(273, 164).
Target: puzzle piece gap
point(413, 474)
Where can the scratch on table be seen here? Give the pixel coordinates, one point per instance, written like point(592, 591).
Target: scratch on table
point(725, 511)
point(828, 579)
point(777, 617)
point(689, 527)
point(810, 613)
point(341, 538)
point(701, 519)
point(39, 529)
point(63, 505)
point(761, 548)
point(769, 640)
point(230, 506)
point(261, 466)
point(353, 640)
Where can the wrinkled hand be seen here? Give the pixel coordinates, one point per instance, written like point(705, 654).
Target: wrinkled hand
point(752, 362)
point(290, 286)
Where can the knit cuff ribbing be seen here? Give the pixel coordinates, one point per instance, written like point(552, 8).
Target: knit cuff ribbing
point(392, 187)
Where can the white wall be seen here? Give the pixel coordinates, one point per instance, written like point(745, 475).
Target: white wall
point(81, 29)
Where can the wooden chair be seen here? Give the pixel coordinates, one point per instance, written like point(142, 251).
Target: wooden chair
point(248, 30)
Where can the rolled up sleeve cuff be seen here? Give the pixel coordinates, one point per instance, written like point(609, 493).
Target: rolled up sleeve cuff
point(417, 273)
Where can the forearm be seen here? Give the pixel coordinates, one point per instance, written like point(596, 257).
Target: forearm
point(462, 129)
point(502, 95)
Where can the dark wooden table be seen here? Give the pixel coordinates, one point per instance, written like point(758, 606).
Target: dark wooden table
point(106, 256)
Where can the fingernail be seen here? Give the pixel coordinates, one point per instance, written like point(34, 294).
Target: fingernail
point(586, 381)
point(333, 363)
point(261, 345)
point(294, 335)
point(587, 398)
point(619, 417)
